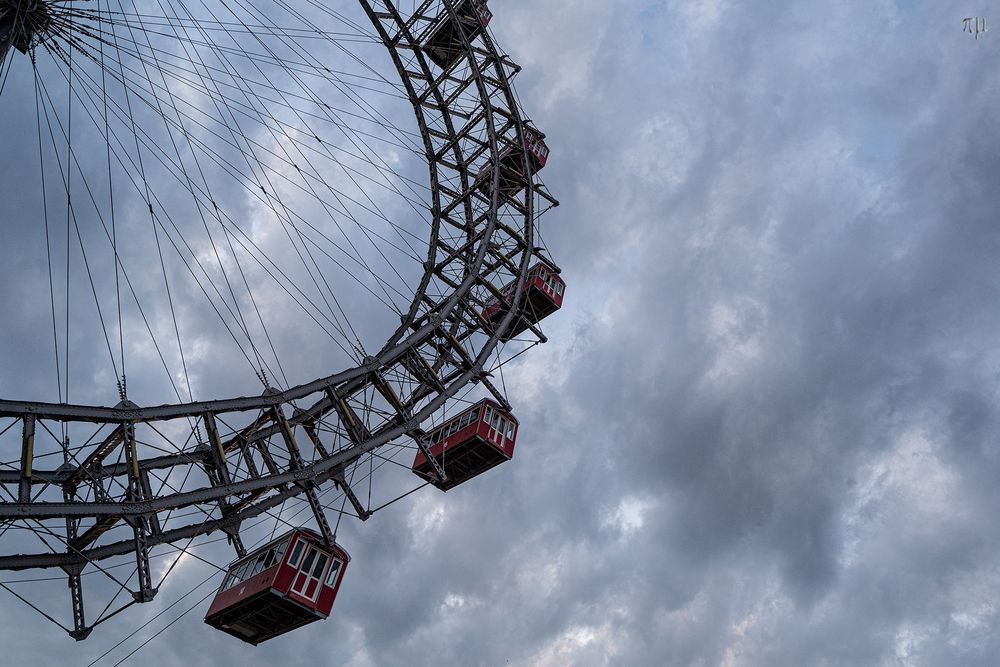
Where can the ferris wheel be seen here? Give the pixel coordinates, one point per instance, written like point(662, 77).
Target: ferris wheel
point(258, 298)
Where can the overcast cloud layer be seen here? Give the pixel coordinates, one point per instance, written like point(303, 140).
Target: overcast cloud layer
point(764, 430)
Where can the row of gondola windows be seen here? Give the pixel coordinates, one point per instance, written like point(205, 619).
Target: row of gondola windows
point(555, 285)
point(456, 425)
point(491, 417)
point(538, 149)
point(508, 291)
point(536, 146)
point(256, 565)
point(484, 12)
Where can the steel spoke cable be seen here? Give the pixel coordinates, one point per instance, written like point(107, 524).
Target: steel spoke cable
point(242, 99)
point(27, 602)
point(290, 164)
point(71, 215)
point(145, 193)
point(150, 621)
point(239, 314)
point(9, 426)
point(282, 219)
point(306, 53)
point(275, 266)
point(346, 93)
point(382, 166)
point(95, 32)
point(215, 250)
point(42, 530)
point(146, 624)
point(153, 619)
point(114, 228)
point(145, 319)
point(348, 238)
point(5, 67)
point(163, 20)
point(120, 265)
point(137, 301)
point(364, 64)
point(48, 242)
point(69, 205)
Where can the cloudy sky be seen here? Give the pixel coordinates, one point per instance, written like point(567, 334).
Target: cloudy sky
point(764, 431)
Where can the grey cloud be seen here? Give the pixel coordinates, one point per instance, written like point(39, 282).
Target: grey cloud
point(764, 430)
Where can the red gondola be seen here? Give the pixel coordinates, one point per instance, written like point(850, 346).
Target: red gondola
point(281, 586)
point(473, 442)
point(543, 295)
point(512, 176)
point(444, 46)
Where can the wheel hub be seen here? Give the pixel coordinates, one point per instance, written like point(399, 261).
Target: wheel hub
point(20, 21)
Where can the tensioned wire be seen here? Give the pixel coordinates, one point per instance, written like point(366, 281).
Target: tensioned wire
point(278, 519)
point(189, 547)
point(138, 153)
point(314, 241)
point(292, 240)
point(201, 194)
point(370, 201)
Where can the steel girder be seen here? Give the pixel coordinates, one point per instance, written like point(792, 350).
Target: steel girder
point(251, 463)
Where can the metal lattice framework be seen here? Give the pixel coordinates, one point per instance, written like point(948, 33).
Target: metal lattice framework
point(245, 456)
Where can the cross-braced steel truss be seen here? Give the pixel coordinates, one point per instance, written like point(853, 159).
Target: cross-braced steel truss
point(132, 478)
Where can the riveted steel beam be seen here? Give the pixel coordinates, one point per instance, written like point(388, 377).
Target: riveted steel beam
point(359, 509)
point(468, 234)
point(27, 458)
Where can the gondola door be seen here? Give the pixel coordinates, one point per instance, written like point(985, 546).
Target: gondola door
point(496, 425)
point(310, 575)
point(548, 284)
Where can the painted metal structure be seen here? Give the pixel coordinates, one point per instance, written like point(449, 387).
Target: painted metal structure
point(290, 582)
point(445, 45)
point(543, 293)
point(468, 445)
point(514, 173)
point(249, 454)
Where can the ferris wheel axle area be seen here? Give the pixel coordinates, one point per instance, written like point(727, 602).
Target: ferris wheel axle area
point(20, 21)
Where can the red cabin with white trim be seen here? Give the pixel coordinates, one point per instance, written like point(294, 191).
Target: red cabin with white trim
point(512, 176)
point(444, 46)
point(283, 585)
point(469, 444)
point(543, 295)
